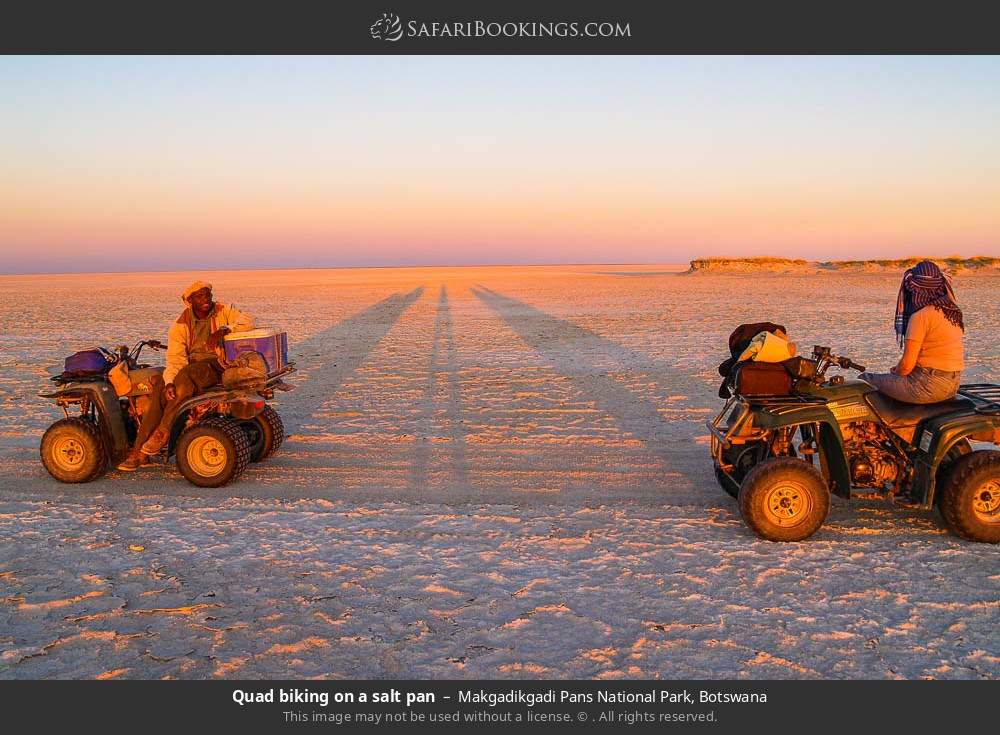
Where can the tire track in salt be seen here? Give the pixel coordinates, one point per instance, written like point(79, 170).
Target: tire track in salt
point(575, 352)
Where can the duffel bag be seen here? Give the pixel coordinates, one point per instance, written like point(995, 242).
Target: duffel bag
point(86, 362)
point(247, 372)
point(762, 379)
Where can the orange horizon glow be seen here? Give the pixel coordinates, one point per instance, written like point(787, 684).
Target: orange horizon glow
point(333, 172)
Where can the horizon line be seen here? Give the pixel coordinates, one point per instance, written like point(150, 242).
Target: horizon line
point(221, 269)
point(685, 263)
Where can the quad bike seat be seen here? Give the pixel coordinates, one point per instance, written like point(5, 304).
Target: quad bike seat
point(898, 415)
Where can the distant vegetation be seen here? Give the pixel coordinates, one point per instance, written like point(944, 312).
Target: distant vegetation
point(952, 264)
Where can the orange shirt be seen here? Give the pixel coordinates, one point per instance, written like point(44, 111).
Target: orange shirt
point(940, 341)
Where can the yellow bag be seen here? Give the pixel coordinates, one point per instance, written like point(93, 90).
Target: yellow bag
point(118, 375)
point(768, 347)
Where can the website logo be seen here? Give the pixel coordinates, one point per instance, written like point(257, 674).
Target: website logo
point(387, 28)
point(390, 28)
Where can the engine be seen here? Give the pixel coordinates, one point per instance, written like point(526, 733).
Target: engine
point(872, 461)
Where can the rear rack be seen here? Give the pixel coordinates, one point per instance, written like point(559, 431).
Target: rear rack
point(63, 378)
point(985, 395)
point(289, 368)
point(767, 400)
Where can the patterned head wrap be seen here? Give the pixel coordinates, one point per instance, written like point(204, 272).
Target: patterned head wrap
point(925, 285)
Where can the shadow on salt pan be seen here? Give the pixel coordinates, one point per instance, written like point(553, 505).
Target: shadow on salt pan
point(332, 355)
point(567, 346)
point(442, 367)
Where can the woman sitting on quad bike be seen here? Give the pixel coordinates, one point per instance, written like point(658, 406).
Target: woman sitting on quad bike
point(929, 328)
point(194, 350)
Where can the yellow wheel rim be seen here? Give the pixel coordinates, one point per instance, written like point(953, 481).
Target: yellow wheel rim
point(787, 503)
point(68, 454)
point(207, 456)
point(986, 502)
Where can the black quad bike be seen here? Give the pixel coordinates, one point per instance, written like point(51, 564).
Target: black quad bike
point(782, 455)
point(214, 436)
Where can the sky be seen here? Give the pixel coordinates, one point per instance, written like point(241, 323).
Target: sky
point(177, 163)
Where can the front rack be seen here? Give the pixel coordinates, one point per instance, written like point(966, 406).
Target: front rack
point(985, 395)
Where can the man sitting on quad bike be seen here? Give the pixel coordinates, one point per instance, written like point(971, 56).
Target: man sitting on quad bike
point(929, 328)
point(194, 363)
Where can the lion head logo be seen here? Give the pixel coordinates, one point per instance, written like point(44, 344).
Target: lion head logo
point(387, 28)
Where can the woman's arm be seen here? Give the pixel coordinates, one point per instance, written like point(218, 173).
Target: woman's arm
point(911, 349)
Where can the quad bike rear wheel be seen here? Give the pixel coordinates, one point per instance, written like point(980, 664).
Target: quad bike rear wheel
point(784, 499)
point(213, 452)
point(958, 450)
point(265, 433)
point(970, 498)
point(72, 450)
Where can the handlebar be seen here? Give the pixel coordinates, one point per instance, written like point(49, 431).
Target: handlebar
point(132, 356)
point(825, 359)
point(848, 364)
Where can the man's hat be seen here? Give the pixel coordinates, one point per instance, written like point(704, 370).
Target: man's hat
point(196, 286)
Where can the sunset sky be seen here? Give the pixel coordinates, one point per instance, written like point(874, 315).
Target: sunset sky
point(145, 163)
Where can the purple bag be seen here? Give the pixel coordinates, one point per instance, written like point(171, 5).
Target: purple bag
point(87, 362)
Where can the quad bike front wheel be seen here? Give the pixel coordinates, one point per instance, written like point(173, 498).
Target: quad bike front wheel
point(784, 499)
point(970, 498)
point(213, 452)
point(728, 485)
point(265, 433)
point(72, 450)
point(743, 458)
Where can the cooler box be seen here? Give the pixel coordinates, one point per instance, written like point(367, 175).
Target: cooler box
point(270, 343)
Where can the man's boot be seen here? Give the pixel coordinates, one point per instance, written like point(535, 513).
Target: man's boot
point(133, 461)
point(155, 442)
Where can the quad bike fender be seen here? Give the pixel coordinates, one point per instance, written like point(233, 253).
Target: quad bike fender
point(239, 404)
point(793, 414)
point(833, 463)
point(936, 438)
point(111, 419)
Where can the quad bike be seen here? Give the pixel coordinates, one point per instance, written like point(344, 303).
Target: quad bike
point(782, 455)
point(214, 436)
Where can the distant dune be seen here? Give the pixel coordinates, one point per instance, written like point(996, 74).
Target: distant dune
point(750, 265)
point(953, 265)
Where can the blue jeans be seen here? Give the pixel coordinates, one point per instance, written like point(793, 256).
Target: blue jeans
point(923, 385)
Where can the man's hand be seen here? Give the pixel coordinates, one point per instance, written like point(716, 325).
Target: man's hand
point(169, 392)
point(216, 337)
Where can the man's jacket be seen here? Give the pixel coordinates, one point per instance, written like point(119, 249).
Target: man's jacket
point(181, 334)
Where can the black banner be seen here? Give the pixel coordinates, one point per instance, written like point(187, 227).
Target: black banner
point(514, 27)
point(260, 706)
